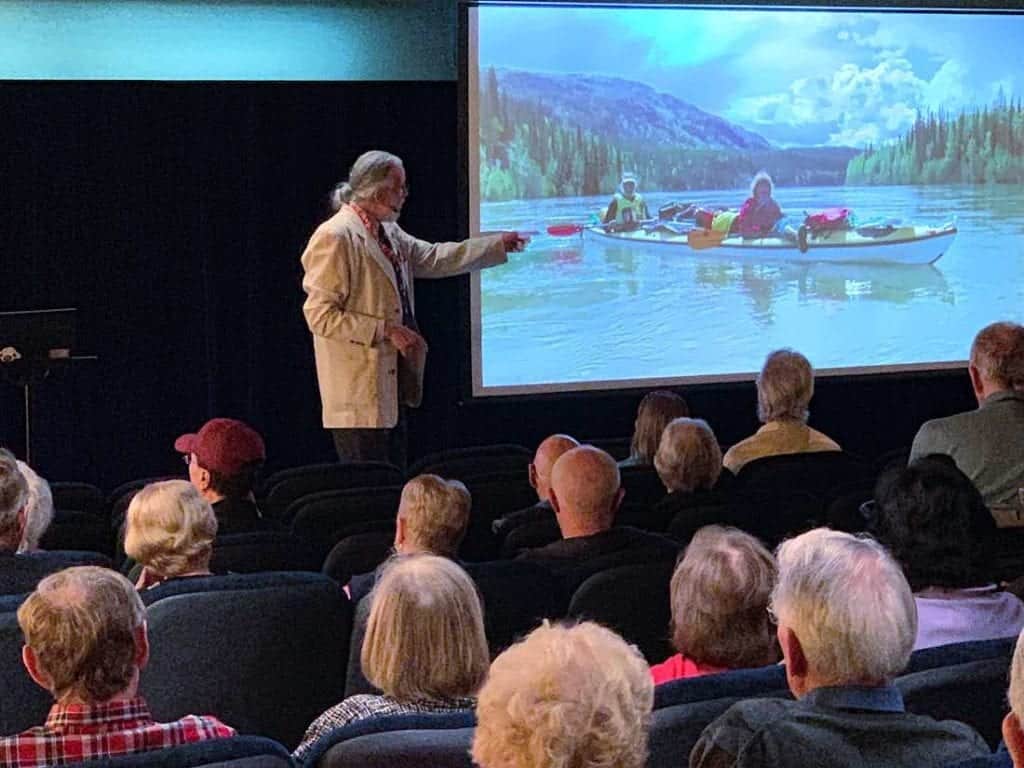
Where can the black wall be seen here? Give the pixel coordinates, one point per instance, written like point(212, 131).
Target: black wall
point(173, 216)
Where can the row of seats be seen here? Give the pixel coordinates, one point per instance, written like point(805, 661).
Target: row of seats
point(964, 681)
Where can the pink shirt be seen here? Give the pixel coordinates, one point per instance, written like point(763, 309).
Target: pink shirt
point(679, 666)
point(957, 615)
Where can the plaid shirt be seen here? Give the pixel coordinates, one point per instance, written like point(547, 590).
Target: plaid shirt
point(75, 732)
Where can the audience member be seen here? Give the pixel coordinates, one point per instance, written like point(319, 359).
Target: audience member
point(424, 648)
point(169, 531)
point(570, 697)
point(846, 625)
point(20, 572)
point(585, 495)
point(1013, 730)
point(38, 509)
point(224, 461)
point(654, 413)
point(433, 515)
point(85, 643)
point(688, 458)
point(935, 523)
point(548, 452)
point(988, 443)
point(719, 593)
point(785, 387)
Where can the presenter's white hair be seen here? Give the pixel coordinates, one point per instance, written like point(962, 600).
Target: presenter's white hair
point(365, 178)
point(847, 601)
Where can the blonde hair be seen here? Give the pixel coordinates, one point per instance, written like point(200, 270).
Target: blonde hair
point(998, 354)
point(80, 623)
point(689, 457)
point(170, 528)
point(847, 600)
point(655, 411)
point(425, 634)
point(785, 386)
point(436, 514)
point(565, 697)
point(720, 592)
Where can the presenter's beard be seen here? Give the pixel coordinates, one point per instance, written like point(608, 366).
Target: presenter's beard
point(392, 214)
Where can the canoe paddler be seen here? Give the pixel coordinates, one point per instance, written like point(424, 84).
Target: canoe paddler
point(627, 208)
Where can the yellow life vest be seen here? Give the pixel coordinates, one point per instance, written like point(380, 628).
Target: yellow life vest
point(635, 207)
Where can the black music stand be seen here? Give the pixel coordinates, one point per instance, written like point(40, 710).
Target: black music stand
point(33, 343)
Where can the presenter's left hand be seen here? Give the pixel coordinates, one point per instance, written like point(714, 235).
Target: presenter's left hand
point(513, 241)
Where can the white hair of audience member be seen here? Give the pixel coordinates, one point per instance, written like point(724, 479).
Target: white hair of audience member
point(689, 457)
point(368, 174)
point(38, 509)
point(785, 386)
point(13, 495)
point(1013, 732)
point(848, 602)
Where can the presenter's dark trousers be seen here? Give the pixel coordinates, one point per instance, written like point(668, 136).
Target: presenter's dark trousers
point(372, 444)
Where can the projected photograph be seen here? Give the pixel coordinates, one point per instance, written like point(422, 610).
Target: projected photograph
point(702, 186)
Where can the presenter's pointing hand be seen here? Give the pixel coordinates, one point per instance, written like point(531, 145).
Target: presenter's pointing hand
point(513, 241)
point(405, 339)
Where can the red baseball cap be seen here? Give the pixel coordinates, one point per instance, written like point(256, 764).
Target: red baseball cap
point(224, 445)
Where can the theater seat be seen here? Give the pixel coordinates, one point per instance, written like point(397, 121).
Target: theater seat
point(236, 752)
point(684, 708)
point(819, 472)
point(438, 740)
point(464, 463)
point(530, 535)
point(358, 553)
point(265, 652)
point(634, 601)
point(81, 496)
point(1000, 759)
point(23, 704)
point(494, 495)
point(260, 551)
point(284, 488)
point(73, 529)
point(322, 519)
point(973, 693)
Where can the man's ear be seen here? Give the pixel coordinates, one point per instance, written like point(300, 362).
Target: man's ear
point(976, 383)
point(399, 533)
point(1014, 738)
point(203, 479)
point(35, 671)
point(619, 496)
point(796, 661)
point(555, 503)
point(533, 476)
point(141, 646)
point(22, 522)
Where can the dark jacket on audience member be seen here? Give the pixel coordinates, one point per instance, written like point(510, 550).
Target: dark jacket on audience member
point(21, 573)
point(841, 727)
point(239, 516)
point(574, 560)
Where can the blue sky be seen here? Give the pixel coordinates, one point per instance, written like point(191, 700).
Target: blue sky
point(795, 77)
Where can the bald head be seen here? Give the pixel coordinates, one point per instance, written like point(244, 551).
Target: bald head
point(548, 452)
point(585, 491)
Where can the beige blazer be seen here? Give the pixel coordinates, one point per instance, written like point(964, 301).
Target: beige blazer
point(350, 292)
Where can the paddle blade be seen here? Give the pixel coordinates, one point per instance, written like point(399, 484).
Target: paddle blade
point(564, 230)
point(699, 239)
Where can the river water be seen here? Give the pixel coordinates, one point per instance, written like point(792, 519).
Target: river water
point(568, 311)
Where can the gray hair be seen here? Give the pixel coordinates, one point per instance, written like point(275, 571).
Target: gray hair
point(365, 178)
point(848, 603)
point(13, 492)
point(998, 354)
point(689, 457)
point(38, 508)
point(785, 386)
